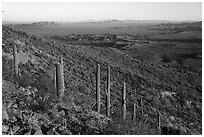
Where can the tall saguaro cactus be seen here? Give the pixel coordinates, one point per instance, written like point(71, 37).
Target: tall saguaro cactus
point(62, 64)
point(142, 109)
point(159, 121)
point(134, 111)
point(60, 79)
point(15, 59)
point(55, 81)
point(108, 93)
point(98, 97)
point(124, 101)
point(135, 107)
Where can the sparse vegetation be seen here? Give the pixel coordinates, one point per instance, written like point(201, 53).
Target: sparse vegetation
point(165, 86)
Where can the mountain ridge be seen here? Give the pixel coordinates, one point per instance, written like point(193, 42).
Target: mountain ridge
point(100, 21)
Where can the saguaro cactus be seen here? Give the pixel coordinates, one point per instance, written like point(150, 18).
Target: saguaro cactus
point(55, 82)
point(62, 67)
point(62, 64)
point(135, 106)
point(159, 121)
point(124, 101)
point(142, 110)
point(108, 93)
point(98, 97)
point(134, 111)
point(59, 81)
point(15, 59)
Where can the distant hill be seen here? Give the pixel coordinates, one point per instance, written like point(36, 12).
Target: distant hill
point(136, 21)
point(44, 23)
point(111, 21)
point(29, 23)
point(14, 22)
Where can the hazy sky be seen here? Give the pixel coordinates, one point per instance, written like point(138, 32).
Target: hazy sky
point(100, 11)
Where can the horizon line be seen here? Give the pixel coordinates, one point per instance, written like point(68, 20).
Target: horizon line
point(92, 20)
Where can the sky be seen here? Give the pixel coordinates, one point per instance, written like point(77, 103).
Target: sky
point(65, 12)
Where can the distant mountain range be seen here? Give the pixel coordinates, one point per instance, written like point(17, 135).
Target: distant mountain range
point(104, 21)
point(44, 23)
point(109, 21)
point(31, 23)
point(15, 22)
point(137, 21)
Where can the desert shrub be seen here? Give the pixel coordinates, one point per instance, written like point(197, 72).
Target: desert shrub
point(170, 131)
point(24, 80)
point(7, 69)
point(26, 109)
point(166, 59)
point(141, 125)
point(41, 101)
point(83, 89)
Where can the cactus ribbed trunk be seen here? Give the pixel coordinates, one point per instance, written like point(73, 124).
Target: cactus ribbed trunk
point(142, 109)
point(135, 107)
point(55, 82)
point(15, 59)
point(134, 111)
point(159, 121)
point(59, 81)
point(62, 64)
point(98, 98)
point(124, 101)
point(108, 93)
point(62, 67)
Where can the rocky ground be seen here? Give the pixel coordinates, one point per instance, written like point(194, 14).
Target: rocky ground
point(32, 108)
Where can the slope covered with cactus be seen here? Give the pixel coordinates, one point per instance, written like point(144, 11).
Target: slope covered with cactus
point(31, 103)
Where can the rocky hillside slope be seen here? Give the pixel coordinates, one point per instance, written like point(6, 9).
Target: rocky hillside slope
point(174, 91)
